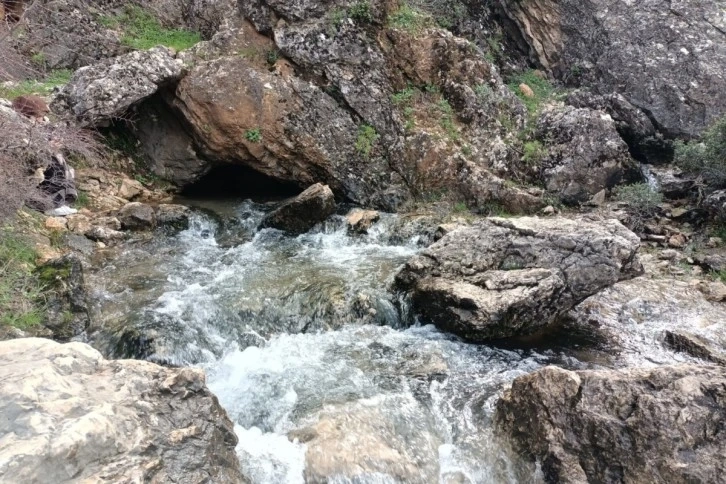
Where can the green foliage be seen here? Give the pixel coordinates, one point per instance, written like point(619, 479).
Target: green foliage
point(484, 92)
point(460, 207)
point(82, 200)
point(367, 138)
point(361, 12)
point(272, 56)
point(253, 135)
point(141, 30)
point(719, 275)
point(410, 19)
point(706, 158)
point(52, 80)
point(640, 197)
point(466, 150)
point(21, 303)
point(38, 58)
point(447, 119)
point(542, 89)
point(533, 152)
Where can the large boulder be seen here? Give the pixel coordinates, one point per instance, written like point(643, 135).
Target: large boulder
point(584, 153)
point(667, 58)
point(506, 277)
point(665, 424)
point(137, 216)
point(102, 92)
point(301, 213)
point(71, 415)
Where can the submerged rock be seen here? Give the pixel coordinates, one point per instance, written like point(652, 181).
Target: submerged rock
point(97, 94)
point(662, 424)
point(300, 214)
point(73, 415)
point(584, 153)
point(172, 216)
point(505, 277)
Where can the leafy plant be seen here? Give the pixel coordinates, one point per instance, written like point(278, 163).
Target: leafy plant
point(253, 135)
point(141, 30)
point(447, 119)
point(361, 12)
point(706, 158)
point(367, 138)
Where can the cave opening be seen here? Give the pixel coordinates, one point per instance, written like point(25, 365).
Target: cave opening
point(237, 181)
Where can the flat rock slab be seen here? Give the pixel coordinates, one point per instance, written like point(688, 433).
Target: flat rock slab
point(507, 277)
point(69, 414)
point(665, 424)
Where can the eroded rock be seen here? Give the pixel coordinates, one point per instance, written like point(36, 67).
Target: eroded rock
point(73, 415)
point(505, 277)
point(300, 214)
point(625, 425)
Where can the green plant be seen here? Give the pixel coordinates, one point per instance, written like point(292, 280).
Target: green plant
point(540, 86)
point(253, 135)
point(484, 92)
point(141, 30)
point(641, 198)
point(466, 150)
point(460, 207)
point(52, 80)
point(272, 56)
point(82, 200)
point(410, 19)
point(361, 11)
point(533, 152)
point(21, 293)
point(719, 275)
point(38, 58)
point(367, 138)
point(447, 119)
point(706, 158)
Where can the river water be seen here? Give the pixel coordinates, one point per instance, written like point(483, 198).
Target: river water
point(320, 367)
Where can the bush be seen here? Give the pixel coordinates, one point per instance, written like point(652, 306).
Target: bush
point(706, 158)
point(361, 12)
point(253, 135)
point(533, 152)
point(642, 201)
point(367, 137)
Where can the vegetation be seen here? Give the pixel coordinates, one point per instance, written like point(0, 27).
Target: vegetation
point(541, 87)
point(642, 201)
point(706, 158)
point(367, 137)
point(361, 12)
point(253, 135)
point(41, 88)
point(142, 31)
point(21, 302)
point(410, 19)
point(447, 119)
point(533, 152)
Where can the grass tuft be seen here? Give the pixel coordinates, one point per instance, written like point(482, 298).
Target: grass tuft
point(142, 31)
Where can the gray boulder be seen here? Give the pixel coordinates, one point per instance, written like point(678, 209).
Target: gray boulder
point(102, 92)
point(71, 415)
point(715, 205)
point(507, 277)
point(299, 214)
point(137, 216)
point(584, 153)
point(666, 58)
point(665, 424)
point(172, 216)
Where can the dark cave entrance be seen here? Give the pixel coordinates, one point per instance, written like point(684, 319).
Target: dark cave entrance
point(237, 181)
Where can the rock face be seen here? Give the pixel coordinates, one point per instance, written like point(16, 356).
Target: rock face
point(67, 314)
point(300, 214)
point(99, 93)
point(585, 153)
point(506, 277)
point(715, 204)
point(71, 415)
point(661, 424)
point(676, 75)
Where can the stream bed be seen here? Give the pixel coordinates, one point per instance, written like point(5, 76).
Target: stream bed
point(325, 375)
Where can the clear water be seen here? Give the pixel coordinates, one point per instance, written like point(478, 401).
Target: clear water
point(307, 350)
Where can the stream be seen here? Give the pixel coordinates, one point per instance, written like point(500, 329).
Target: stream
point(325, 375)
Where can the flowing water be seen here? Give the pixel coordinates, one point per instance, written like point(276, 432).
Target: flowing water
point(315, 361)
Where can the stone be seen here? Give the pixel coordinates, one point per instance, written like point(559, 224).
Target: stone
point(78, 223)
point(715, 205)
point(100, 233)
point(74, 416)
point(675, 76)
point(584, 153)
point(714, 291)
point(359, 221)
point(677, 241)
point(137, 216)
point(172, 216)
point(696, 346)
point(130, 189)
point(670, 181)
point(56, 223)
point(100, 93)
point(598, 199)
point(526, 90)
point(500, 278)
point(625, 425)
point(299, 214)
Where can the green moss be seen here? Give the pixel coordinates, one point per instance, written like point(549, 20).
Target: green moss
point(142, 31)
point(367, 138)
point(40, 88)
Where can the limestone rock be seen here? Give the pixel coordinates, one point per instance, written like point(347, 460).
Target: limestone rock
point(299, 214)
point(74, 416)
point(675, 75)
point(584, 153)
point(137, 216)
point(359, 221)
point(506, 277)
point(627, 425)
point(102, 92)
point(130, 189)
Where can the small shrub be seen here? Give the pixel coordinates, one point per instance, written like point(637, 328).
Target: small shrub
point(447, 119)
point(642, 201)
point(460, 207)
point(533, 152)
point(719, 275)
point(253, 135)
point(706, 158)
point(361, 12)
point(410, 19)
point(484, 92)
point(82, 200)
point(367, 138)
point(272, 56)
